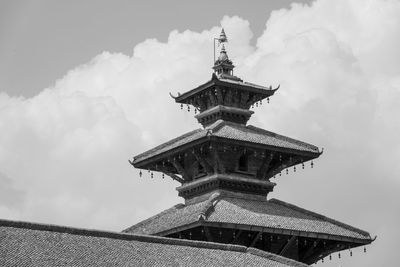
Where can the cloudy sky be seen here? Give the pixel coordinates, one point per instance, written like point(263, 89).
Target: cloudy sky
point(84, 87)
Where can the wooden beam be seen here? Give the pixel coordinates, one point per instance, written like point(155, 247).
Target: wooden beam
point(280, 166)
point(218, 167)
point(244, 96)
point(213, 99)
point(208, 234)
point(228, 98)
point(287, 246)
point(311, 250)
point(255, 239)
point(203, 162)
point(179, 168)
point(220, 97)
point(175, 177)
point(234, 241)
point(262, 172)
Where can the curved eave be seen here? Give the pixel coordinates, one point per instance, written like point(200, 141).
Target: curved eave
point(144, 161)
point(263, 91)
point(268, 230)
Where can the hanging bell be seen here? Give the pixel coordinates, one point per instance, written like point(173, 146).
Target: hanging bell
point(260, 102)
point(140, 173)
point(234, 235)
point(261, 237)
point(152, 175)
point(322, 260)
point(351, 253)
point(195, 111)
point(294, 169)
point(280, 173)
point(163, 175)
point(252, 106)
point(302, 165)
point(188, 108)
point(202, 231)
point(287, 171)
point(220, 233)
point(315, 244)
point(181, 106)
point(312, 164)
point(365, 250)
point(256, 104)
point(268, 100)
point(190, 235)
point(339, 255)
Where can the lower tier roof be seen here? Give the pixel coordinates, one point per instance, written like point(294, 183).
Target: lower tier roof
point(29, 244)
point(273, 216)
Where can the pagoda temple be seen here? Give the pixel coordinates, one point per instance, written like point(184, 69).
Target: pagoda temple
point(225, 170)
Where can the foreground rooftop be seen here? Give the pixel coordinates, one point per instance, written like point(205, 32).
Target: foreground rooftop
point(32, 244)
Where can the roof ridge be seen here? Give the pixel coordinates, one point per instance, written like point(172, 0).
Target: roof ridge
point(320, 216)
point(211, 203)
point(274, 257)
point(152, 218)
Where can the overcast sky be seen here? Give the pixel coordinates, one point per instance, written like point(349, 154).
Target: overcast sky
point(84, 87)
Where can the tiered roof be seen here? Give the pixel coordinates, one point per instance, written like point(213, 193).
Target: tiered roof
point(225, 170)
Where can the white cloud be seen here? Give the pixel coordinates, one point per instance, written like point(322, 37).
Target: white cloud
point(65, 151)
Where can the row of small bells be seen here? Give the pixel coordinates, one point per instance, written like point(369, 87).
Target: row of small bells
point(339, 255)
point(277, 238)
point(280, 173)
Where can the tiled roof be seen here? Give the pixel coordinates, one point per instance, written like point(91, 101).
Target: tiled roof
point(233, 83)
point(232, 131)
point(27, 244)
point(268, 214)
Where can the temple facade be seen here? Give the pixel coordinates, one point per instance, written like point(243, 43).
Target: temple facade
point(225, 170)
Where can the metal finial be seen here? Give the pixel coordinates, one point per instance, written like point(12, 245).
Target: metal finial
point(222, 37)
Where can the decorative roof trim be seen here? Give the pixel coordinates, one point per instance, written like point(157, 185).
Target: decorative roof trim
point(230, 177)
point(224, 109)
